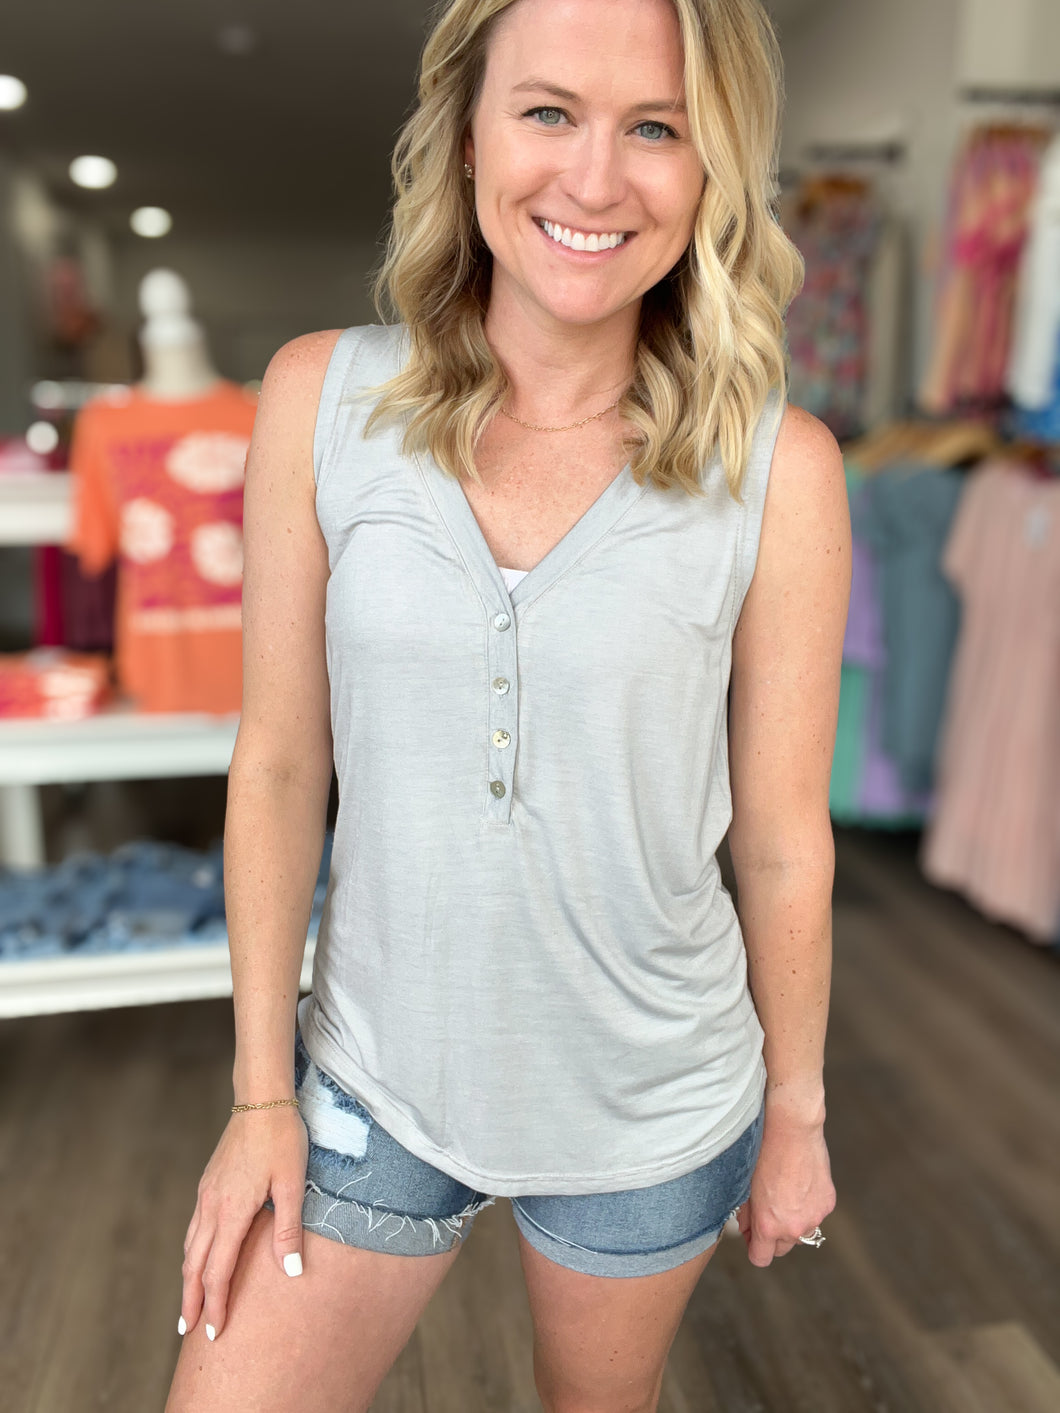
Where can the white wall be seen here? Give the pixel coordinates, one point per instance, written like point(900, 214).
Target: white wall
point(1013, 42)
point(15, 343)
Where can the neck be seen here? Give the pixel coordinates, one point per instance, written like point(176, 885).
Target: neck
point(560, 372)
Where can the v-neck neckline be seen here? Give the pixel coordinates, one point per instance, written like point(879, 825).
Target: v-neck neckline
point(595, 522)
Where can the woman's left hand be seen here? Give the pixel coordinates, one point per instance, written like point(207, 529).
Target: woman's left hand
point(791, 1190)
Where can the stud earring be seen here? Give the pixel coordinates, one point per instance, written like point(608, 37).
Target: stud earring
point(469, 171)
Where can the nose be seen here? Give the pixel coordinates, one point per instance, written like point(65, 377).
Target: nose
point(595, 178)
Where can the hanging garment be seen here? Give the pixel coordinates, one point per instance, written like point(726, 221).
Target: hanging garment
point(1042, 424)
point(49, 628)
point(159, 486)
point(994, 183)
point(886, 322)
point(904, 514)
point(995, 833)
point(862, 656)
point(89, 602)
point(1033, 367)
point(878, 798)
point(533, 785)
point(827, 323)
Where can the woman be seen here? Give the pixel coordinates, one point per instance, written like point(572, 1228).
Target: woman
point(508, 591)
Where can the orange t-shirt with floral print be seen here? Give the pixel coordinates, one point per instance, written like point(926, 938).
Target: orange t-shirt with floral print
point(159, 485)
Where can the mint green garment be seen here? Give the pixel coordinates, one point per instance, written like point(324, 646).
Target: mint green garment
point(849, 744)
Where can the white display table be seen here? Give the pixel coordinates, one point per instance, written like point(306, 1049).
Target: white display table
point(188, 973)
point(115, 744)
point(36, 507)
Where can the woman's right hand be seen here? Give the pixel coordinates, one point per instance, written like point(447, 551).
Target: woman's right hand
point(262, 1153)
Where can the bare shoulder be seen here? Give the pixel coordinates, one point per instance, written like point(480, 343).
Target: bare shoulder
point(806, 512)
point(804, 554)
point(287, 408)
point(807, 458)
point(300, 365)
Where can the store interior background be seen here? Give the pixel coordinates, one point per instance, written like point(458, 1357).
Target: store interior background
point(265, 129)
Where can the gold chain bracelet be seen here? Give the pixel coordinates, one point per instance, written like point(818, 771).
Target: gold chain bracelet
point(271, 1104)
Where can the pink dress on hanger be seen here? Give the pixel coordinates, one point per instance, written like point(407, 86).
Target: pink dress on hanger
point(995, 833)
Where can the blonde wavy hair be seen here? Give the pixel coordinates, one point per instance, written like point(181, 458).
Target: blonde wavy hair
point(711, 337)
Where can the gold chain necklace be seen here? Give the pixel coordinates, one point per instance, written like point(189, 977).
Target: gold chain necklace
point(582, 423)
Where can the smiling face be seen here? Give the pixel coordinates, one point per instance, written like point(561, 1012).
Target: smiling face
point(608, 162)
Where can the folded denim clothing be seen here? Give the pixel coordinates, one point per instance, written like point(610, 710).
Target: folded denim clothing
point(146, 893)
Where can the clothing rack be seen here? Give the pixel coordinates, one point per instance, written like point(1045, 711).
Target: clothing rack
point(1018, 97)
point(885, 153)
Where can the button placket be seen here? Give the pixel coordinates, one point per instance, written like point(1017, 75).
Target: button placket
point(501, 716)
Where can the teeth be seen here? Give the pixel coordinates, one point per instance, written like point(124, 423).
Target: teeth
point(578, 240)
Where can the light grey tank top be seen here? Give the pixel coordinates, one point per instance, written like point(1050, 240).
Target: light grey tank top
point(528, 969)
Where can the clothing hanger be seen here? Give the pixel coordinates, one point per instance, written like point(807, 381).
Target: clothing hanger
point(955, 442)
point(961, 443)
point(1032, 458)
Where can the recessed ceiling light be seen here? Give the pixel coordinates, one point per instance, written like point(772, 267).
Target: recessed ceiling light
point(42, 438)
point(47, 395)
point(239, 40)
point(13, 93)
point(151, 221)
point(95, 173)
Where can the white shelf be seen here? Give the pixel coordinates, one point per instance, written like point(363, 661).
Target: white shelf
point(116, 744)
point(36, 507)
point(188, 973)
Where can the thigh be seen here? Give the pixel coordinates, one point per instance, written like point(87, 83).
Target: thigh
point(321, 1342)
point(600, 1343)
point(609, 1275)
point(381, 1229)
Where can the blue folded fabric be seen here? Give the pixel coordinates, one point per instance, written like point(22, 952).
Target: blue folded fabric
point(145, 894)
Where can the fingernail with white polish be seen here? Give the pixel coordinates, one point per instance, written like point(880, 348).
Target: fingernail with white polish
point(182, 1326)
point(292, 1263)
point(211, 1333)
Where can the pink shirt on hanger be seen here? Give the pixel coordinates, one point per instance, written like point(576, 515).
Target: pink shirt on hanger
point(995, 833)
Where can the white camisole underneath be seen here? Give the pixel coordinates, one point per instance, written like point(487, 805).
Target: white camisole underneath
point(512, 576)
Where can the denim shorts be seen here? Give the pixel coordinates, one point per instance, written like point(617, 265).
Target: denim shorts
point(364, 1189)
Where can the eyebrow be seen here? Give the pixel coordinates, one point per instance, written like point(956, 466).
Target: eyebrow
point(666, 105)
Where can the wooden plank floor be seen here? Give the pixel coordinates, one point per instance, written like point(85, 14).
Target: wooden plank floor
point(936, 1292)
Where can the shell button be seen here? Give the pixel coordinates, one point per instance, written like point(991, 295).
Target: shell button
point(497, 789)
point(502, 621)
point(502, 739)
point(500, 685)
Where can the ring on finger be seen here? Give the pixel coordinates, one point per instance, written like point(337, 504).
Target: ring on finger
point(813, 1238)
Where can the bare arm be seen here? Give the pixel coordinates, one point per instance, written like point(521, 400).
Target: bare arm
point(787, 652)
point(281, 767)
point(274, 831)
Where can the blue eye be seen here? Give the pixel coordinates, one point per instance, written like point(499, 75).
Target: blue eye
point(648, 123)
point(532, 111)
point(651, 123)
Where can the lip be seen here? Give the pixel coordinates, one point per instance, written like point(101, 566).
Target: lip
point(583, 255)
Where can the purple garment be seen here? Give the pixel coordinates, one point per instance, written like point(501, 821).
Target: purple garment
point(882, 793)
point(863, 644)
